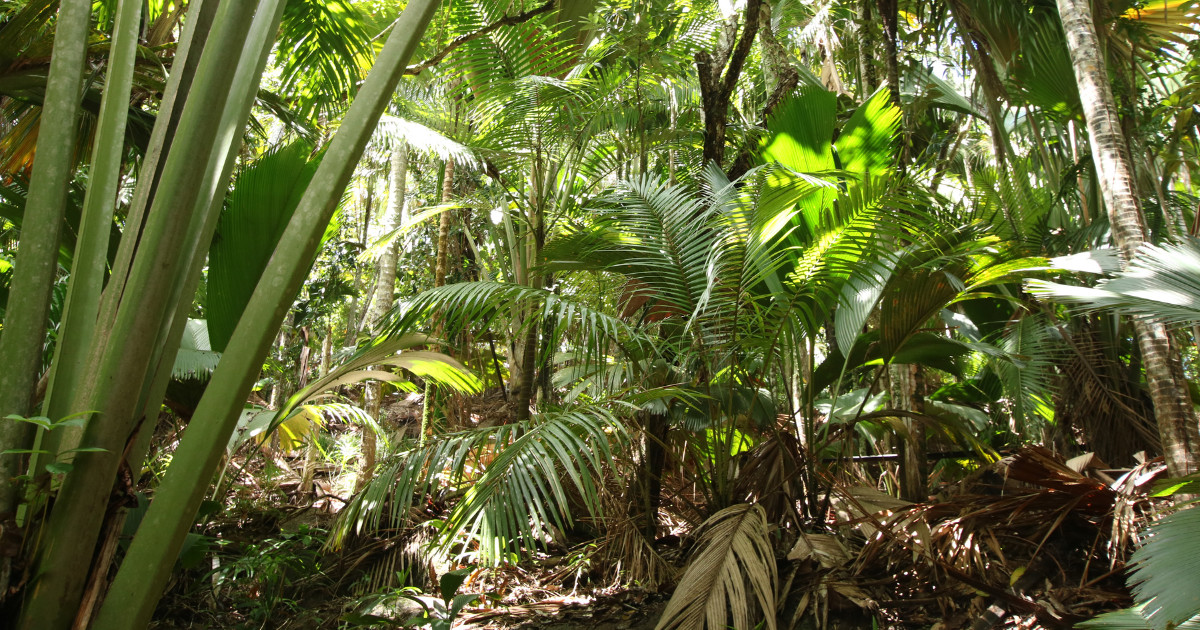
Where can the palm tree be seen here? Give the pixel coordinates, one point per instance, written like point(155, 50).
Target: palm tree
point(1176, 418)
point(143, 311)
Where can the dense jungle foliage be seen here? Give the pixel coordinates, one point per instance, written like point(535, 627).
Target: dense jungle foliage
point(666, 314)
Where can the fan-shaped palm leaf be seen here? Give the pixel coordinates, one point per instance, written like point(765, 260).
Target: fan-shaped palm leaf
point(264, 197)
point(195, 358)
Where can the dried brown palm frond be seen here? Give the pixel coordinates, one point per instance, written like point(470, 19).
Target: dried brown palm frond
point(632, 559)
point(1048, 524)
point(733, 552)
point(1026, 536)
point(404, 558)
point(624, 553)
point(774, 476)
point(1104, 403)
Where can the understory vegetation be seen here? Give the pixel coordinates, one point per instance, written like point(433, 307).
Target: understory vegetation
point(782, 314)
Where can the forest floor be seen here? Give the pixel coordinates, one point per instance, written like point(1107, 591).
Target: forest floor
point(1032, 541)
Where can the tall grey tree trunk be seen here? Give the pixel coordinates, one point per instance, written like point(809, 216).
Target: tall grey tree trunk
point(384, 293)
point(1164, 372)
point(352, 313)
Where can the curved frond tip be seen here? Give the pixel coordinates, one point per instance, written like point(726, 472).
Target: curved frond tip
point(734, 551)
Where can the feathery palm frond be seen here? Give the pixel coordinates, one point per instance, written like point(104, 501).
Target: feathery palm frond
point(733, 548)
point(1164, 574)
point(1131, 619)
point(515, 480)
point(480, 304)
point(368, 362)
point(1169, 558)
point(392, 130)
point(323, 47)
point(1161, 282)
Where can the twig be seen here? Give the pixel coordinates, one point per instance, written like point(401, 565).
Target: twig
point(462, 39)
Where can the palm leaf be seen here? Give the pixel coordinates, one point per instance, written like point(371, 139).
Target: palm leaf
point(393, 130)
point(1164, 574)
point(1131, 619)
point(516, 480)
point(322, 48)
point(733, 548)
point(866, 144)
point(1161, 283)
point(481, 304)
point(264, 197)
point(195, 358)
point(369, 363)
point(1167, 566)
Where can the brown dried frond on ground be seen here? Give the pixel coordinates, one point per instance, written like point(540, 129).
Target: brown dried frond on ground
point(624, 555)
point(1026, 539)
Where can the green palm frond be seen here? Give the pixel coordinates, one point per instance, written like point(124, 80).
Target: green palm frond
point(1131, 619)
point(392, 130)
point(733, 549)
point(516, 480)
point(265, 195)
point(867, 141)
point(1164, 574)
point(323, 46)
point(1161, 283)
point(391, 351)
point(1031, 350)
point(195, 358)
point(370, 362)
point(479, 304)
point(1169, 560)
point(1043, 74)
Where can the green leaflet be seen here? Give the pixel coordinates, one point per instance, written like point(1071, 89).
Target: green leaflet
point(262, 202)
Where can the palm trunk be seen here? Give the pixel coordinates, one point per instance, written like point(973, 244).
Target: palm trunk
point(1177, 426)
point(441, 269)
point(443, 243)
point(866, 48)
point(353, 314)
point(994, 93)
point(905, 386)
point(890, 16)
point(381, 303)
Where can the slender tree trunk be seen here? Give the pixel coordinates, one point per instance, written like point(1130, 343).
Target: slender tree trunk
point(993, 89)
point(781, 78)
point(718, 74)
point(443, 243)
point(381, 303)
point(889, 15)
point(439, 280)
point(385, 284)
point(353, 315)
point(1164, 372)
point(905, 392)
point(310, 452)
point(866, 48)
